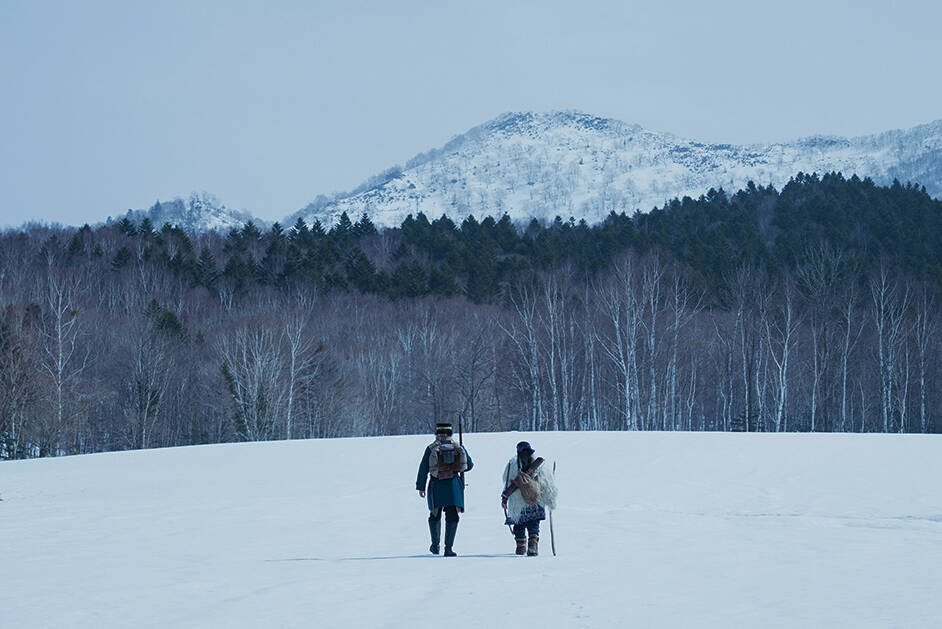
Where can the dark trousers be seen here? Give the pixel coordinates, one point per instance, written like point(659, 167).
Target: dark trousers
point(520, 530)
point(451, 514)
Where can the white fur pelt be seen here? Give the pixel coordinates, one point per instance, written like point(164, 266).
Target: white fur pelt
point(548, 492)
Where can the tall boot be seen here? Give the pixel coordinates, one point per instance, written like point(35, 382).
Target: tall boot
point(532, 545)
point(435, 529)
point(521, 545)
point(451, 528)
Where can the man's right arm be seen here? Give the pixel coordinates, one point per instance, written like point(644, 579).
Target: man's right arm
point(505, 494)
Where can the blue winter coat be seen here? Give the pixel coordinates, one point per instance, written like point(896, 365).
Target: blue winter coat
point(441, 493)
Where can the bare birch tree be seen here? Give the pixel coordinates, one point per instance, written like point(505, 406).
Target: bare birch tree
point(522, 332)
point(890, 302)
point(619, 297)
point(925, 330)
point(63, 358)
point(476, 365)
point(851, 332)
point(253, 367)
point(302, 362)
point(148, 378)
point(819, 278)
point(780, 325)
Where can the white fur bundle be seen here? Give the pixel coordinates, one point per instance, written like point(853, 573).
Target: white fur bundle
point(548, 491)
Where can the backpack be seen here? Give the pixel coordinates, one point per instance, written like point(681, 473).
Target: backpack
point(529, 487)
point(446, 459)
point(528, 483)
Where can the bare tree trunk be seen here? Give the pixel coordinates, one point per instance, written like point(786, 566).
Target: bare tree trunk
point(682, 312)
point(725, 389)
point(302, 362)
point(148, 386)
point(253, 368)
point(522, 332)
point(780, 333)
point(880, 292)
point(552, 307)
point(904, 387)
point(925, 328)
point(651, 291)
point(848, 347)
point(63, 361)
point(678, 306)
point(475, 369)
point(889, 310)
point(589, 337)
point(19, 388)
point(819, 277)
point(621, 306)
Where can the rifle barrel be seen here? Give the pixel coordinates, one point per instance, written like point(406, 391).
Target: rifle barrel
point(461, 443)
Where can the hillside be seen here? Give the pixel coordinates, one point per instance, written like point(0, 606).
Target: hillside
point(572, 164)
point(653, 530)
point(566, 164)
point(199, 213)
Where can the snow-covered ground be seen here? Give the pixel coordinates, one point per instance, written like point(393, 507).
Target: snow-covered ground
point(652, 530)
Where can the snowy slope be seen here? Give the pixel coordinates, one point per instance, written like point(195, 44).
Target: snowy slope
point(653, 529)
point(579, 165)
point(201, 212)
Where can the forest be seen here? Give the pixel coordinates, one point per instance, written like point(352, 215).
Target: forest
point(812, 308)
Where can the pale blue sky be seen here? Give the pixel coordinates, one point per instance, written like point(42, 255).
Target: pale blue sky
point(107, 106)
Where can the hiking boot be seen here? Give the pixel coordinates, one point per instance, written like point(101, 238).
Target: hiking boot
point(521, 545)
point(532, 545)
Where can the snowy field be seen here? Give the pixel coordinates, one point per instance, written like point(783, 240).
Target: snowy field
point(652, 530)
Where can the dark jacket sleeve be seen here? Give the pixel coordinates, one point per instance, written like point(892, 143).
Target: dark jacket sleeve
point(421, 478)
point(470, 462)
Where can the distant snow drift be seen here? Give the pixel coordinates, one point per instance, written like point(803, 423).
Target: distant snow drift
point(653, 530)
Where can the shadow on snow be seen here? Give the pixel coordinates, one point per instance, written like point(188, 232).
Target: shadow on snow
point(426, 556)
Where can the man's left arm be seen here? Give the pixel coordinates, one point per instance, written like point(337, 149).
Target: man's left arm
point(422, 476)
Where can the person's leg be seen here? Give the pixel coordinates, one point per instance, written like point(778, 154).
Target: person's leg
point(520, 536)
point(533, 542)
point(451, 529)
point(435, 529)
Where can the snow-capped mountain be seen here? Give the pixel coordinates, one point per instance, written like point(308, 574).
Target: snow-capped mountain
point(201, 212)
point(579, 165)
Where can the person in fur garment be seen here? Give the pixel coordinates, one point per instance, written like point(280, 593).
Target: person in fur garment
point(525, 518)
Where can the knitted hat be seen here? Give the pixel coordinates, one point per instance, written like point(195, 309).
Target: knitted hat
point(524, 446)
point(443, 428)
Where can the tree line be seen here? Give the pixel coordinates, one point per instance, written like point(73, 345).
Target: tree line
point(813, 308)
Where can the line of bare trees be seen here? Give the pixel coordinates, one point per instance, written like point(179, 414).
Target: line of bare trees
point(94, 360)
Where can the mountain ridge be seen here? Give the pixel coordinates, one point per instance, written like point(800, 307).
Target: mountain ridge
point(200, 212)
point(482, 171)
point(574, 164)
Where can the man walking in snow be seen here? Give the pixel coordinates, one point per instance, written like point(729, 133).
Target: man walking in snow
point(443, 464)
point(529, 490)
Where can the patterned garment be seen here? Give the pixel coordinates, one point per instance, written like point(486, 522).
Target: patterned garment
point(531, 513)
